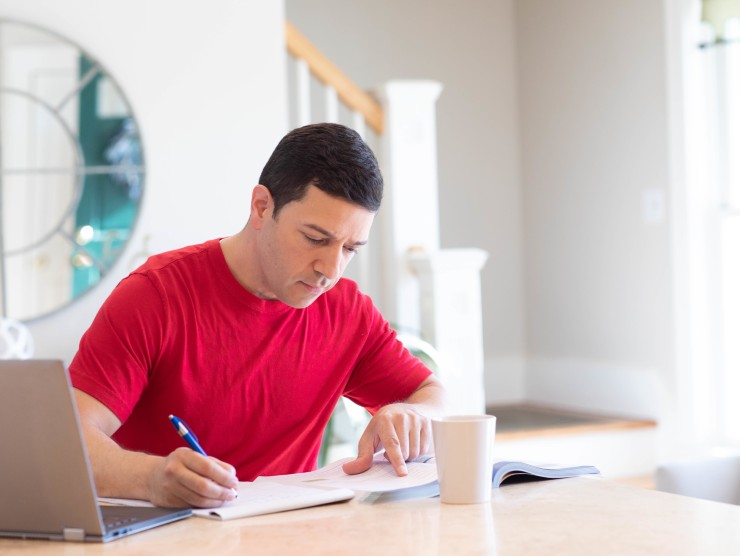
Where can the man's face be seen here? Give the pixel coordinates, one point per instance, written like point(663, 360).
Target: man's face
point(306, 249)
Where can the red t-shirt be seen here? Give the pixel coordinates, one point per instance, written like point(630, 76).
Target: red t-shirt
point(256, 380)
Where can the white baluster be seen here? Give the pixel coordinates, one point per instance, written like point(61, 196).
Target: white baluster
point(358, 123)
point(331, 104)
point(303, 93)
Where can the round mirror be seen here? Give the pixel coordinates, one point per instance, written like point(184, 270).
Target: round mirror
point(71, 171)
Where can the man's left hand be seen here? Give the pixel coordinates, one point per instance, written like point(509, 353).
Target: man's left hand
point(401, 430)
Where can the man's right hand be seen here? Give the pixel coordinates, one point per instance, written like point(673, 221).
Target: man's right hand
point(187, 478)
point(183, 478)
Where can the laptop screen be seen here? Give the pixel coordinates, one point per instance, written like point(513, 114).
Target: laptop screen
point(44, 468)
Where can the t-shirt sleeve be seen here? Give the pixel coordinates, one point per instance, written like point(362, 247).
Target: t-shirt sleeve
point(117, 352)
point(386, 372)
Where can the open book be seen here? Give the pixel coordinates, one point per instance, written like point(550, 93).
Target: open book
point(517, 472)
point(422, 477)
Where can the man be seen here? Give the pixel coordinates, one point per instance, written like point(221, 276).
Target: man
point(251, 340)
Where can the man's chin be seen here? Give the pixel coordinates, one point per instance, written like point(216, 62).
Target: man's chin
point(307, 295)
point(302, 302)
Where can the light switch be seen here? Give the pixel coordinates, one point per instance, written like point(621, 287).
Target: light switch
point(653, 206)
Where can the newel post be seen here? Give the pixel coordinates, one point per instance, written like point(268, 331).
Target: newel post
point(409, 218)
point(451, 319)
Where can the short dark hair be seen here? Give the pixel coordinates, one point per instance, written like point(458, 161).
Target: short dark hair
point(332, 157)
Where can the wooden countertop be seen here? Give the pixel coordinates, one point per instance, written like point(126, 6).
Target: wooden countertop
point(571, 516)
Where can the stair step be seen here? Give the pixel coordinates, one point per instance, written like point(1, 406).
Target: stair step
point(521, 421)
point(619, 447)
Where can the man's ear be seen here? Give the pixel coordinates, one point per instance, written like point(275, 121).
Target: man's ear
point(261, 206)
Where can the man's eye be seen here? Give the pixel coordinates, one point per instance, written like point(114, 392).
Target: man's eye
point(350, 250)
point(315, 241)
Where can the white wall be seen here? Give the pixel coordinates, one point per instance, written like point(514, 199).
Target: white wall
point(469, 46)
point(593, 84)
point(206, 81)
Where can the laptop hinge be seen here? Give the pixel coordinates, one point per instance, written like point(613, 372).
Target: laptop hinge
point(73, 534)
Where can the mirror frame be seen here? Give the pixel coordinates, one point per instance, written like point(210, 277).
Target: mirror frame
point(83, 172)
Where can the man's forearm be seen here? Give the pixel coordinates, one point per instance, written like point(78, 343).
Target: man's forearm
point(429, 397)
point(118, 472)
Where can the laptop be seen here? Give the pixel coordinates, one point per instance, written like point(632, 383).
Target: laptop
point(46, 483)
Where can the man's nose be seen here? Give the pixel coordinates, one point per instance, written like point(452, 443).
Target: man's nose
point(330, 263)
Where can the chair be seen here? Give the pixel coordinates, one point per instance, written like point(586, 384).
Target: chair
point(712, 478)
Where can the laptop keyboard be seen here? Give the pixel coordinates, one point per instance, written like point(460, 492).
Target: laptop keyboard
point(124, 519)
point(116, 521)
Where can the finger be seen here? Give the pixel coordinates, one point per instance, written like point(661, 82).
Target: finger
point(426, 445)
point(179, 483)
point(358, 465)
point(365, 453)
point(393, 452)
point(202, 492)
point(196, 500)
point(217, 471)
point(229, 480)
point(227, 474)
point(207, 479)
point(414, 442)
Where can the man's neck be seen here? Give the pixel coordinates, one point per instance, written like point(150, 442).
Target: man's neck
point(238, 252)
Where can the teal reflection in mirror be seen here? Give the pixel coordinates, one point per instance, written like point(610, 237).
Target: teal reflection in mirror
point(71, 171)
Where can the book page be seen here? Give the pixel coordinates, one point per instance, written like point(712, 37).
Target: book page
point(259, 498)
point(269, 497)
point(381, 477)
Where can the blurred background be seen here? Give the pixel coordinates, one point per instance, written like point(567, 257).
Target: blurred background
point(586, 149)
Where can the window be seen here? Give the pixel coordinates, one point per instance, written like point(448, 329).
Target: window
point(712, 152)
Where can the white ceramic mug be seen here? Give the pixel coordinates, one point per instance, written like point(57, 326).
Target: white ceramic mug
point(463, 450)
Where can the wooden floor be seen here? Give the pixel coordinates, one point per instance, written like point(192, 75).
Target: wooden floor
point(514, 422)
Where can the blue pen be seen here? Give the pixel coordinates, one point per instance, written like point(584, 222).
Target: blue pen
point(188, 436)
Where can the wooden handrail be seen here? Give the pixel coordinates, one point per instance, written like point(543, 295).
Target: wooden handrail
point(329, 74)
